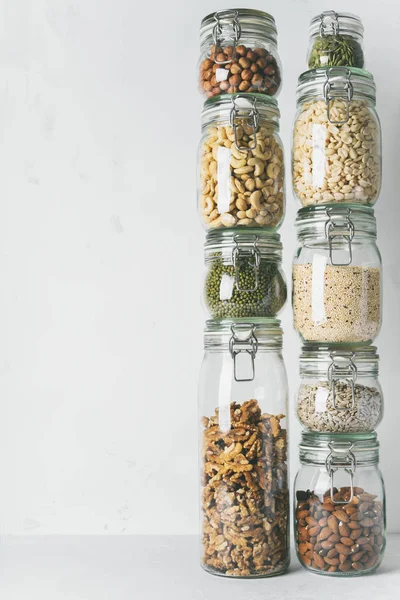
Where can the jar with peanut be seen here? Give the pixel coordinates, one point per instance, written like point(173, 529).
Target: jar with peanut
point(239, 53)
point(336, 155)
point(241, 168)
point(339, 504)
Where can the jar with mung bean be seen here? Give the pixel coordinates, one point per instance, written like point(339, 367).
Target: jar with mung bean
point(339, 390)
point(336, 40)
point(239, 53)
point(336, 154)
point(241, 169)
point(337, 272)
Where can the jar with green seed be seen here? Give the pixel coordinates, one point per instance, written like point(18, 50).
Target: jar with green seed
point(244, 276)
point(335, 41)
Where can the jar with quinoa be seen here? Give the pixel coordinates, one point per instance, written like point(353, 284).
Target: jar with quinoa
point(337, 272)
point(336, 155)
point(241, 163)
point(339, 390)
point(239, 53)
point(336, 40)
point(243, 396)
point(339, 501)
point(244, 276)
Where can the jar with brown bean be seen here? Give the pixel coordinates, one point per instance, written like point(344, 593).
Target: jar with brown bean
point(339, 504)
point(241, 170)
point(239, 53)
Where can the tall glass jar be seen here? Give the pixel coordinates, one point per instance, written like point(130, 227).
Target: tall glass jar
point(337, 272)
point(244, 276)
point(336, 154)
point(243, 397)
point(241, 168)
point(238, 53)
point(336, 40)
point(339, 390)
point(340, 516)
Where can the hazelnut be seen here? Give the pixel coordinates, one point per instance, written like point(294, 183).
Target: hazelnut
point(207, 86)
point(269, 70)
point(220, 58)
point(241, 50)
point(206, 64)
point(244, 86)
point(251, 55)
point(246, 75)
point(234, 80)
point(262, 63)
point(207, 75)
point(224, 85)
point(257, 80)
point(228, 51)
point(260, 51)
point(244, 62)
point(235, 68)
point(254, 68)
point(214, 81)
point(216, 91)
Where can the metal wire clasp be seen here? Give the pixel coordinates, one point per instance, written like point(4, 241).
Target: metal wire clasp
point(341, 457)
point(217, 33)
point(252, 116)
point(342, 367)
point(329, 19)
point(341, 89)
point(243, 340)
point(344, 229)
point(254, 257)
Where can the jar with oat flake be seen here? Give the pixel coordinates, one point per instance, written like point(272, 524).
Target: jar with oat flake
point(336, 154)
point(243, 396)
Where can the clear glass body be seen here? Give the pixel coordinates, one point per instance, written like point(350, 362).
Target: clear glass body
point(247, 63)
point(336, 40)
point(243, 462)
point(337, 286)
point(241, 173)
point(346, 536)
point(339, 392)
point(336, 159)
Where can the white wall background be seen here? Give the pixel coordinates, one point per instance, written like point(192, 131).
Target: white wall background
point(101, 256)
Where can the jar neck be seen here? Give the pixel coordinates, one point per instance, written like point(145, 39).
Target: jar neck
point(339, 24)
point(343, 224)
point(339, 450)
point(336, 83)
point(251, 110)
point(257, 335)
point(321, 362)
point(251, 246)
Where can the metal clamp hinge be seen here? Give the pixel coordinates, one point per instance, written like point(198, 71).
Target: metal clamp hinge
point(335, 229)
point(254, 258)
point(342, 367)
point(341, 457)
point(339, 90)
point(250, 114)
point(243, 340)
point(217, 33)
point(329, 19)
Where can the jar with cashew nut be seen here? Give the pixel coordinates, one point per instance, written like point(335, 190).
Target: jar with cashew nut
point(241, 168)
point(339, 501)
point(239, 53)
point(243, 450)
point(336, 155)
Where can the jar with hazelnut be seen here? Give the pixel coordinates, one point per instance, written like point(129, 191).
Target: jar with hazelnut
point(239, 53)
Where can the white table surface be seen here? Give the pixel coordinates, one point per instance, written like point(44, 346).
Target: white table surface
point(162, 568)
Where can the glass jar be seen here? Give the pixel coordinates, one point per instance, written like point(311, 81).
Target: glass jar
point(337, 272)
point(336, 40)
point(238, 53)
point(244, 276)
point(340, 516)
point(336, 155)
point(339, 390)
point(241, 163)
point(243, 398)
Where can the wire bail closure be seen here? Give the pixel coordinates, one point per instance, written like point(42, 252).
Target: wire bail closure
point(336, 229)
point(329, 19)
point(251, 114)
point(344, 91)
point(342, 370)
point(240, 342)
point(217, 33)
point(254, 259)
point(341, 457)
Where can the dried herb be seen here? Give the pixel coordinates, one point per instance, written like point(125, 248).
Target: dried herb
point(336, 51)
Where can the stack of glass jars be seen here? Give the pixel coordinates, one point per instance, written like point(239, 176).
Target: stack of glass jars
point(243, 386)
point(337, 298)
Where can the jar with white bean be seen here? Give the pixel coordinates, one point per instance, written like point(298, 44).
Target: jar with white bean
point(241, 170)
point(336, 155)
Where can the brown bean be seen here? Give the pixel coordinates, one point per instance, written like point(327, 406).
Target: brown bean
point(331, 561)
point(333, 524)
point(314, 530)
point(328, 506)
point(362, 540)
point(302, 548)
point(344, 530)
point(342, 549)
point(327, 545)
point(311, 521)
point(334, 538)
point(346, 541)
point(319, 561)
point(355, 534)
point(357, 566)
point(333, 552)
point(367, 522)
point(332, 569)
point(346, 566)
point(306, 560)
point(324, 534)
point(356, 557)
point(353, 525)
point(341, 516)
point(323, 522)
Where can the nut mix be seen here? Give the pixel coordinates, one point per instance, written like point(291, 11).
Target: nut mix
point(316, 412)
point(336, 163)
point(252, 71)
point(253, 182)
point(245, 499)
point(343, 537)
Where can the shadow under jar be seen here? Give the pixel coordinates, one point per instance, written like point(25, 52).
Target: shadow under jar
point(337, 273)
point(339, 504)
point(339, 390)
point(244, 276)
point(336, 40)
point(238, 53)
point(336, 154)
point(241, 167)
point(243, 396)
